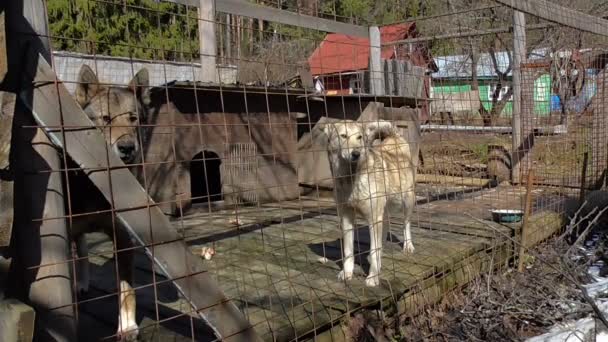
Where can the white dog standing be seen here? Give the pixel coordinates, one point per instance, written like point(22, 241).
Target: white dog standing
point(373, 171)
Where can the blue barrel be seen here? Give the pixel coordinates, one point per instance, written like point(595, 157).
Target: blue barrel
point(556, 105)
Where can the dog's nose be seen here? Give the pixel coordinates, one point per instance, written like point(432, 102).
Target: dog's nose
point(126, 147)
point(354, 155)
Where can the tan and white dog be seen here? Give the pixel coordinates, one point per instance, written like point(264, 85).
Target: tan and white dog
point(373, 172)
point(116, 111)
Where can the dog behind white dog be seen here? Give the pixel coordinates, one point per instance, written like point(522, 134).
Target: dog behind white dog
point(373, 172)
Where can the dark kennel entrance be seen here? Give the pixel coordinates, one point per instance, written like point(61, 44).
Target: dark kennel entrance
point(205, 177)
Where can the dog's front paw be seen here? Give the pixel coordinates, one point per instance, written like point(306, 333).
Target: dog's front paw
point(343, 275)
point(372, 280)
point(128, 331)
point(408, 247)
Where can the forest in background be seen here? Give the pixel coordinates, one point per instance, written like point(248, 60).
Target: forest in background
point(153, 29)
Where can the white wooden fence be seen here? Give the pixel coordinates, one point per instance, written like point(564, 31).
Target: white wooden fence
point(120, 70)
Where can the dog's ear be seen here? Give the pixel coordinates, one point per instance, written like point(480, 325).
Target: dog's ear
point(87, 85)
point(321, 133)
point(379, 129)
point(328, 129)
point(140, 85)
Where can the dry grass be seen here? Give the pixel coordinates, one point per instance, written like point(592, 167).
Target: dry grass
point(504, 307)
point(510, 306)
point(556, 159)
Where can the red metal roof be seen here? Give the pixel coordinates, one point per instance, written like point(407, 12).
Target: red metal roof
point(342, 53)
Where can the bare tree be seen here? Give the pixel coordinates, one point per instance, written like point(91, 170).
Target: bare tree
point(308, 7)
point(498, 102)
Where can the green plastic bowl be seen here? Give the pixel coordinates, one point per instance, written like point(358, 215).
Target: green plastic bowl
point(507, 215)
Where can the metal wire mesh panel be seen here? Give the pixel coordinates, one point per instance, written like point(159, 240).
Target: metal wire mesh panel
point(241, 168)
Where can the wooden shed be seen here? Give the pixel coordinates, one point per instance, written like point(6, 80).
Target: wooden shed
point(197, 151)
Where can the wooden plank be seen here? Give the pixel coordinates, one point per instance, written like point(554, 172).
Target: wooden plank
point(207, 41)
point(39, 271)
point(559, 14)
point(376, 72)
point(542, 225)
point(38, 243)
point(400, 79)
point(7, 108)
point(102, 304)
point(432, 291)
point(389, 77)
point(252, 10)
point(447, 248)
point(3, 54)
point(599, 138)
point(279, 299)
point(53, 107)
point(441, 179)
point(278, 265)
point(521, 114)
point(16, 321)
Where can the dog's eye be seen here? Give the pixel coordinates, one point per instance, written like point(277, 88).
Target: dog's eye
point(359, 137)
point(133, 118)
point(106, 118)
point(344, 136)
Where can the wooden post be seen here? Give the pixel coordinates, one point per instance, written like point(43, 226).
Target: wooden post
point(375, 62)
point(389, 77)
point(207, 43)
point(523, 242)
point(599, 138)
point(519, 56)
point(3, 56)
point(581, 198)
point(239, 36)
point(40, 270)
point(228, 44)
point(16, 321)
point(7, 108)
point(400, 69)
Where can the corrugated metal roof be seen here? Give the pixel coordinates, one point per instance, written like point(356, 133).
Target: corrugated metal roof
point(458, 67)
point(340, 53)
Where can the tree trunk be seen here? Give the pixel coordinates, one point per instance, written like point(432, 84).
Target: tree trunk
point(489, 118)
point(500, 105)
point(228, 38)
point(474, 62)
point(260, 31)
point(220, 34)
point(422, 7)
point(238, 37)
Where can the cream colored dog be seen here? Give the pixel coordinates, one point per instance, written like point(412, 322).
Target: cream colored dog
point(373, 171)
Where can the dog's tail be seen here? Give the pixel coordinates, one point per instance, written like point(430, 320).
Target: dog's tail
point(387, 140)
point(380, 130)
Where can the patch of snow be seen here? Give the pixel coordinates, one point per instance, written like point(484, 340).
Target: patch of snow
point(601, 337)
point(577, 331)
point(584, 328)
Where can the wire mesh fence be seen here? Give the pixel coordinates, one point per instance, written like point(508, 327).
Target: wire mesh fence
point(301, 177)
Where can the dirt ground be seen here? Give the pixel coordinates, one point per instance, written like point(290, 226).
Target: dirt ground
point(466, 155)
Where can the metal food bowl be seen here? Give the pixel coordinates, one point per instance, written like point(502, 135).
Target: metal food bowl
point(507, 215)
